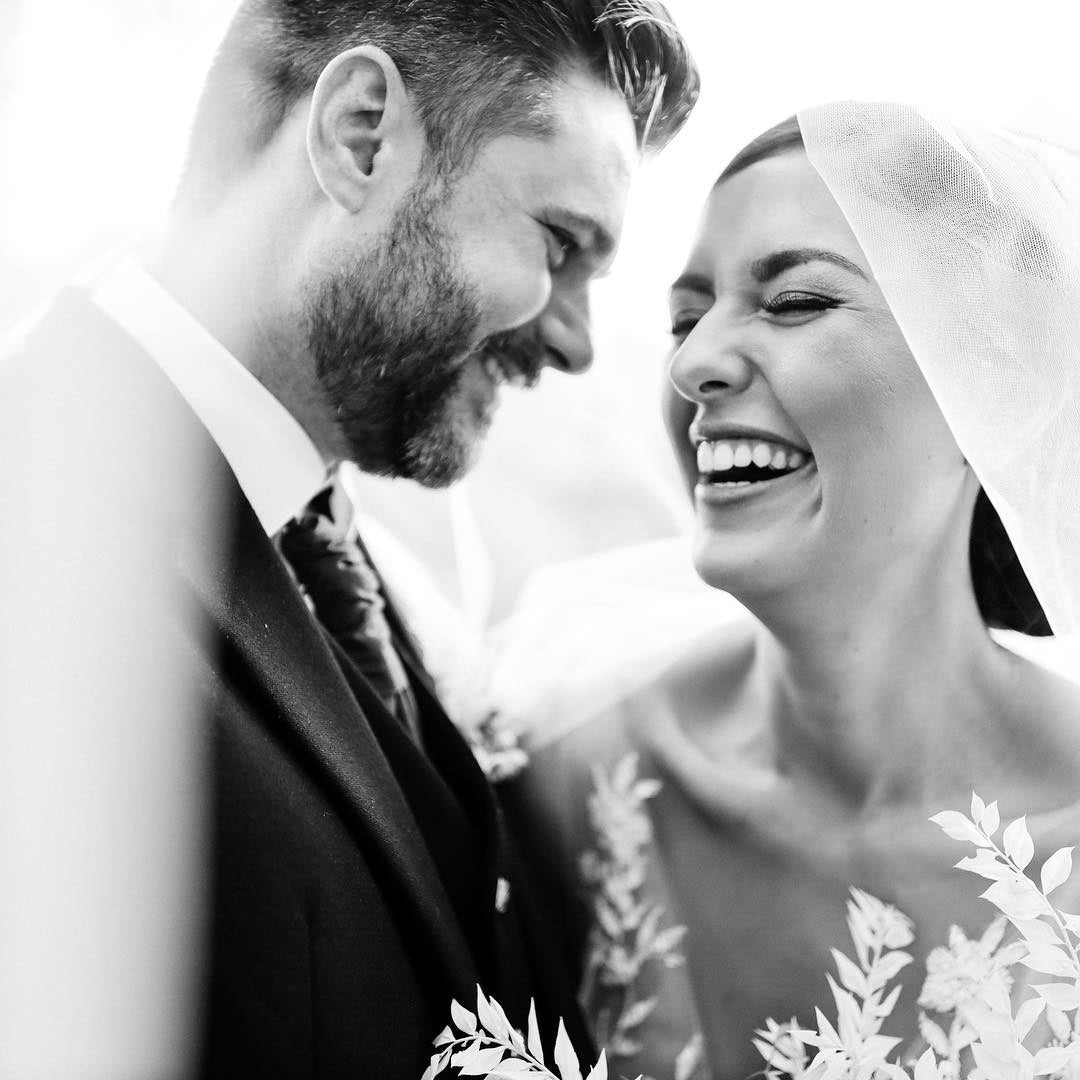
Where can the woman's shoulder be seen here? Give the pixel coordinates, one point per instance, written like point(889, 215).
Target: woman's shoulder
point(1046, 706)
point(1039, 757)
point(711, 672)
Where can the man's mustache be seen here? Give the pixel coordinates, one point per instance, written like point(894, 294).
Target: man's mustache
point(519, 353)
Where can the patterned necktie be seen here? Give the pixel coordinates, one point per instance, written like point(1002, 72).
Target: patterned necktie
point(345, 592)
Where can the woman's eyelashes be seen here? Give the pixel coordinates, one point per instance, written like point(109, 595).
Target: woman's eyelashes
point(794, 302)
point(787, 306)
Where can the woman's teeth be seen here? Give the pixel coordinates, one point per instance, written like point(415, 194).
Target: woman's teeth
point(724, 455)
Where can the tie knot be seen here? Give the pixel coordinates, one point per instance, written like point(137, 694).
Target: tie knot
point(333, 505)
point(323, 549)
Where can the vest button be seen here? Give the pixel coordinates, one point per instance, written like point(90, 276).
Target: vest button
point(502, 895)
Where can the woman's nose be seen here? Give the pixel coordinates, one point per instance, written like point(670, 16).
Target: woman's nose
point(713, 360)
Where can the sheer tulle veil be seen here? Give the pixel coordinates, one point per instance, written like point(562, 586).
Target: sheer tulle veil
point(973, 234)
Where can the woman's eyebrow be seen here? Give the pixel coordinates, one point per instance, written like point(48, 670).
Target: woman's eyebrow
point(773, 265)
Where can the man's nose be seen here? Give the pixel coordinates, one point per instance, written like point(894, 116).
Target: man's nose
point(565, 331)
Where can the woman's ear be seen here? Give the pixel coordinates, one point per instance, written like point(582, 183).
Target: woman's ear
point(363, 131)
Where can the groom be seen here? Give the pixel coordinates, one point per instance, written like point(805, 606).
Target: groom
point(388, 209)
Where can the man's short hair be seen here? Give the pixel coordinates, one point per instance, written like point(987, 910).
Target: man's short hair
point(474, 69)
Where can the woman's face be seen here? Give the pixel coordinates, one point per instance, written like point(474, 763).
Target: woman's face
point(801, 420)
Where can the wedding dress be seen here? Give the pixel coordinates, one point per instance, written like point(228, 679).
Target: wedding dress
point(638, 813)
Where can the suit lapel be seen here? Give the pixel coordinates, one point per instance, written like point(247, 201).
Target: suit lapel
point(449, 750)
point(256, 607)
point(445, 742)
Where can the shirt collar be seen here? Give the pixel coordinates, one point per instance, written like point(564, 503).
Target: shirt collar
point(273, 458)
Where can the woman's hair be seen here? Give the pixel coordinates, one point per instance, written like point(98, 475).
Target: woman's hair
point(1005, 597)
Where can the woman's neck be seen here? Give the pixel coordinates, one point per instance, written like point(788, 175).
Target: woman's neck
point(884, 698)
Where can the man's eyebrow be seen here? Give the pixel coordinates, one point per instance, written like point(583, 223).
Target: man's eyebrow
point(691, 282)
point(593, 236)
point(773, 265)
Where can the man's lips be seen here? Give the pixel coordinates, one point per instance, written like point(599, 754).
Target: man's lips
point(515, 357)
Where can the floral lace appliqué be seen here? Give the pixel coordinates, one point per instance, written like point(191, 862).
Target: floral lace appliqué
point(627, 937)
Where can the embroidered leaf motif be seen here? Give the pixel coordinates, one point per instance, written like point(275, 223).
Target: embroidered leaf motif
point(478, 1062)
point(488, 1045)
point(850, 974)
point(1018, 898)
point(637, 1014)
point(1059, 1024)
point(436, 1066)
point(629, 940)
point(690, 1058)
point(935, 1037)
point(958, 827)
point(599, 1071)
point(990, 821)
point(1017, 842)
point(1062, 996)
point(1049, 960)
point(1053, 1059)
point(565, 1058)
point(463, 1019)
point(1027, 1014)
point(535, 1046)
point(1056, 870)
point(491, 1017)
point(987, 864)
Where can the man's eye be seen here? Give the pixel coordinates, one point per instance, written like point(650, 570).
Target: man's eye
point(682, 325)
point(797, 303)
point(566, 245)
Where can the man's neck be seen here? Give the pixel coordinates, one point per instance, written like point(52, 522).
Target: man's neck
point(228, 281)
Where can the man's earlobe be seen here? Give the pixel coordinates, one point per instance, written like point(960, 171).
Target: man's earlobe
point(361, 125)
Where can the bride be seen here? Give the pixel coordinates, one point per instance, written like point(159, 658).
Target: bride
point(875, 345)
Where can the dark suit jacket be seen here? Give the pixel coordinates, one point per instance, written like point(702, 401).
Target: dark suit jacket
point(352, 877)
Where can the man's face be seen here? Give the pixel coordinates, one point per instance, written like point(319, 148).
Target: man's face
point(470, 286)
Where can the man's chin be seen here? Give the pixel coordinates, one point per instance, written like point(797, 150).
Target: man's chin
point(439, 463)
point(436, 451)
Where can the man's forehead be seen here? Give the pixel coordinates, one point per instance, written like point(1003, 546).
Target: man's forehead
point(587, 160)
point(590, 119)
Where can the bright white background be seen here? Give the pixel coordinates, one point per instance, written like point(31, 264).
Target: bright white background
point(96, 96)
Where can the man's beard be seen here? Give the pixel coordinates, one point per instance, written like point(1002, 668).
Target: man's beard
point(392, 338)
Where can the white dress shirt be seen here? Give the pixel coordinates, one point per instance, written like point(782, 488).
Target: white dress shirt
point(273, 458)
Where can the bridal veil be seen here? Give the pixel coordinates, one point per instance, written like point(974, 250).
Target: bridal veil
point(973, 235)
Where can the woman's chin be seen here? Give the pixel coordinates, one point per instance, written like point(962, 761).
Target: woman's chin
point(744, 567)
point(719, 569)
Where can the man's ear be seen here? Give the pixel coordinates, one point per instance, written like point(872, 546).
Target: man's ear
point(362, 127)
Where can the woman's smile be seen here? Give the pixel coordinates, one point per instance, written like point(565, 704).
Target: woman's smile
point(739, 485)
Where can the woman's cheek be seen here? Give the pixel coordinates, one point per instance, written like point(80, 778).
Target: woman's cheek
point(678, 414)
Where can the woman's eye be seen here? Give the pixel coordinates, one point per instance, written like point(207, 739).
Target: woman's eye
point(797, 303)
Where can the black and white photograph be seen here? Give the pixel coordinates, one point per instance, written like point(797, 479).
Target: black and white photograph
point(540, 541)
